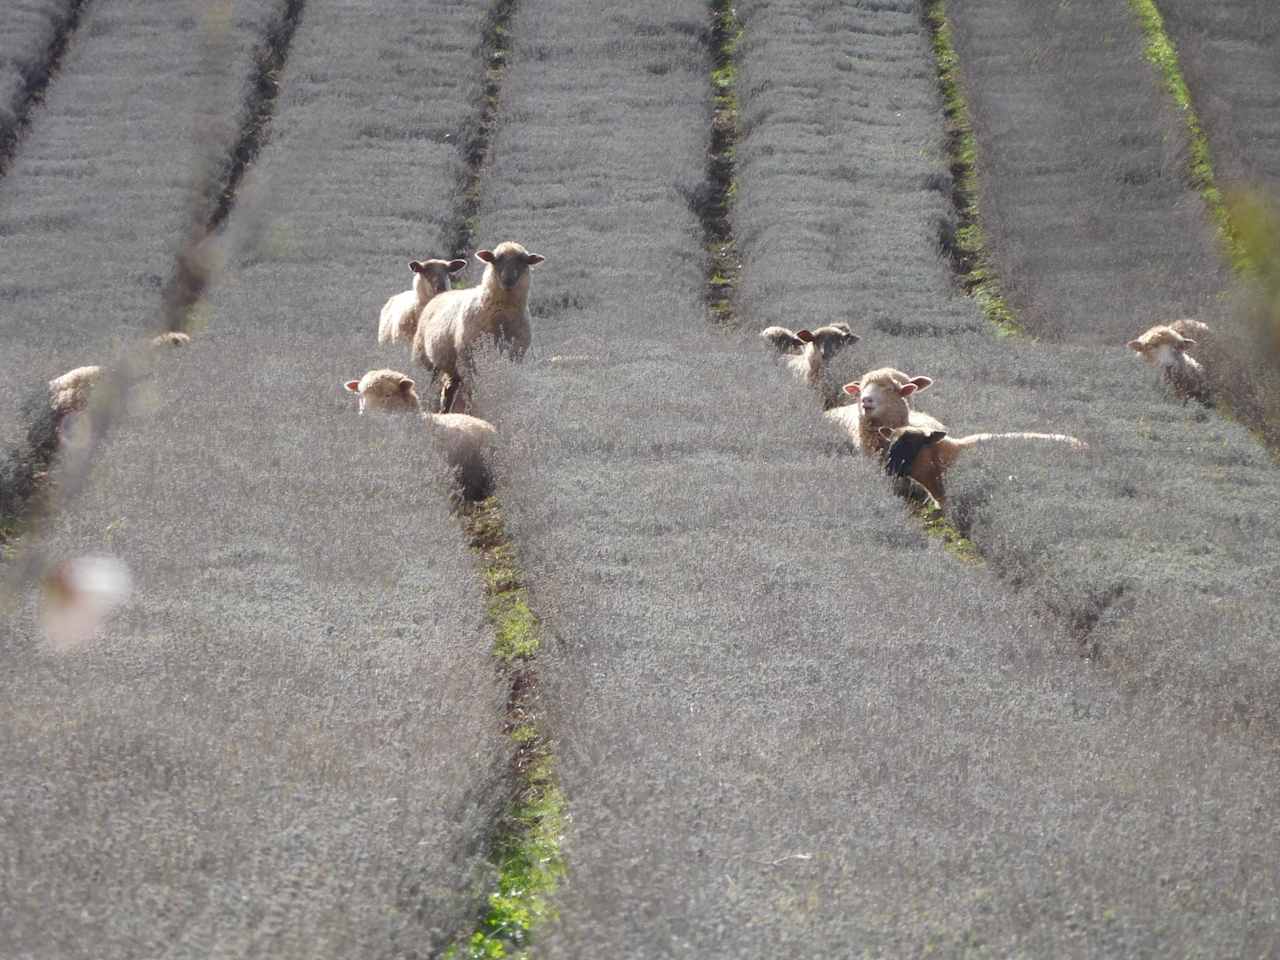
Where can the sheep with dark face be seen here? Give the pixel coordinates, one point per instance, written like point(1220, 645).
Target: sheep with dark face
point(399, 318)
point(1165, 348)
point(924, 454)
point(464, 440)
point(453, 321)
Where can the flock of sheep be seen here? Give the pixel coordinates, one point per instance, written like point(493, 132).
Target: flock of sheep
point(443, 326)
point(914, 446)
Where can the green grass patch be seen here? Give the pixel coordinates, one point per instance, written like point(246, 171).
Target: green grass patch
point(526, 846)
point(969, 255)
point(937, 525)
point(1161, 52)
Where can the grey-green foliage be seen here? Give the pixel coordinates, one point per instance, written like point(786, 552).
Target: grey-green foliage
point(289, 744)
point(101, 191)
point(788, 724)
point(1227, 51)
point(286, 744)
point(1083, 171)
point(31, 27)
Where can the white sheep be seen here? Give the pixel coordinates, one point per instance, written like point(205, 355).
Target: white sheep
point(465, 441)
point(398, 320)
point(452, 321)
point(882, 402)
point(1164, 347)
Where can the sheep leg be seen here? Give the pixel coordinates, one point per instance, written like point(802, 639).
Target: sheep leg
point(449, 392)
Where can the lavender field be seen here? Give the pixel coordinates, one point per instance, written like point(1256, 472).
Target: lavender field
point(760, 705)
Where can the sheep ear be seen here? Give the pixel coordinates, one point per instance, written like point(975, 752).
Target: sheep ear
point(1135, 345)
point(852, 389)
point(851, 338)
point(1186, 342)
point(533, 259)
point(456, 265)
point(353, 386)
point(417, 266)
point(804, 335)
point(485, 255)
point(922, 383)
point(406, 385)
point(936, 435)
point(886, 432)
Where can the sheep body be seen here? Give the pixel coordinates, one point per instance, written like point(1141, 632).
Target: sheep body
point(453, 321)
point(171, 338)
point(924, 455)
point(464, 440)
point(1164, 348)
point(70, 392)
point(398, 321)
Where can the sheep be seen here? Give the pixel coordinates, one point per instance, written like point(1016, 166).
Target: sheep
point(1165, 348)
point(882, 396)
point(172, 338)
point(452, 321)
point(70, 392)
point(815, 349)
point(464, 440)
point(399, 318)
point(924, 454)
point(1186, 326)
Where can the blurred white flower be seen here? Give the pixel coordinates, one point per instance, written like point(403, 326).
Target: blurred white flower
point(78, 595)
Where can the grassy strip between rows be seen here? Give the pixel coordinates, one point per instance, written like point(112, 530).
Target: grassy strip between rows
point(1162, 53)
point(526, 846)
point(495, 48)
point(968, 249)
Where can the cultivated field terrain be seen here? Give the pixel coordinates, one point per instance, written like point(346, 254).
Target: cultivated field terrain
point(784, 717)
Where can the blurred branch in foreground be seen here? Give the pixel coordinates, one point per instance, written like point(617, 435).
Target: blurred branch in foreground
point(1256, 219)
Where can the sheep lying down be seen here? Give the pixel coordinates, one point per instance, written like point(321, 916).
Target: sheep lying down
point(464, 440)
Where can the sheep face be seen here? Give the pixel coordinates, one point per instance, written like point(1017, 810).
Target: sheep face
point(1161, 346)
point(831, 339)
point(883, 394)
point(384, 391)
point(508, 264)
point(434, 276)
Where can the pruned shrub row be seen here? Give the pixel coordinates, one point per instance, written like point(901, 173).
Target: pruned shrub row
point(289, 742)
point(102, 189)
point(785, 718)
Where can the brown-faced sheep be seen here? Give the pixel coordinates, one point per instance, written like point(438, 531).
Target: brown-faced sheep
point(398, 320)
point(882, 402)
point(464, 440)
point(452, 321)
point(1165, 348)
point(808, 353)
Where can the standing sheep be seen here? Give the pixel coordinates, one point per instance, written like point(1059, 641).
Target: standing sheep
point(452, 321)
point(399, 318)
point(1165, 348)
point(464, 440)
point(882, 402)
